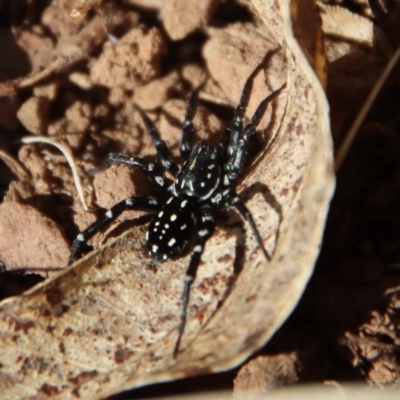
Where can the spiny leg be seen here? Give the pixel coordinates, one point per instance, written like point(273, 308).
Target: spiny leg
point(162, 149)
point(134, 203)
point(238, 115)
point(237, 125)
point(206, 228)
point(237, 158)
point(154, 174)
point(188, 128)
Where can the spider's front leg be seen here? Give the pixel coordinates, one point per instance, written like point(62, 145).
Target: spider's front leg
point(162, 150)
point(143, 203)
point(151, 170)
point(239, 139)
point(188, 129)
point(206, 227)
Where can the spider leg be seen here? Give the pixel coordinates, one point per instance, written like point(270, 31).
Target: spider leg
point(237, 125)
point(133, 203)
point(239, 152)
point(238, 114)
point(149, 168)
point(206, 229)
point(162, 149)
point(188, 128)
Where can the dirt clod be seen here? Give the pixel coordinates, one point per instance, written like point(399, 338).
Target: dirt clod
point(133, 60)
point(182, 18)
point(33, 114)
point(30, 240)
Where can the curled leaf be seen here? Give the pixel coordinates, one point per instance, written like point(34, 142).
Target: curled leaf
point(110, 322)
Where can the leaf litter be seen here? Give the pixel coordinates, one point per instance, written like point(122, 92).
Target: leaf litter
point(109, 322)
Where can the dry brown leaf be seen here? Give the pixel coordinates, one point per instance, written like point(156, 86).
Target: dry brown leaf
point(307, 28)
point(264, 373)
point(340, 22)
point(110, 322)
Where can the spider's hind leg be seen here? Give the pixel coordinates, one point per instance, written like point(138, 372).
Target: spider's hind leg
point(206, 229)
point(151, 170)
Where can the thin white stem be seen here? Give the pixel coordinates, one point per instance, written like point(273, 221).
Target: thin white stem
point(68, 156)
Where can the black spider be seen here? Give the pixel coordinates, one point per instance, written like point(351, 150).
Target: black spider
point(183, 208)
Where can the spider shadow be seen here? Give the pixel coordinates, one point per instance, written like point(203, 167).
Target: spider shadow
point(127, 225)
point(236, 227)
point(241, 234)
point(118, 230)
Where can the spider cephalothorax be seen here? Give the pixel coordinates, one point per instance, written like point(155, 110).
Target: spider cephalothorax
point(183, 208)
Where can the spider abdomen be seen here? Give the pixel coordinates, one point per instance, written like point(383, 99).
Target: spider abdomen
point(172, 228)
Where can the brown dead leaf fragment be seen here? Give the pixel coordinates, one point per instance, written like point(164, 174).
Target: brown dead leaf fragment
point(374, 347)
point(340, 22)
point(308, 31)
point(110, 322)
point(263, 373)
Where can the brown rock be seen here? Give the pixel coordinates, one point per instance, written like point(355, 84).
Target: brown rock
point(183, 17)
point(133, 60)
point(33, 114)
point(157, 92)
point(30, 240)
